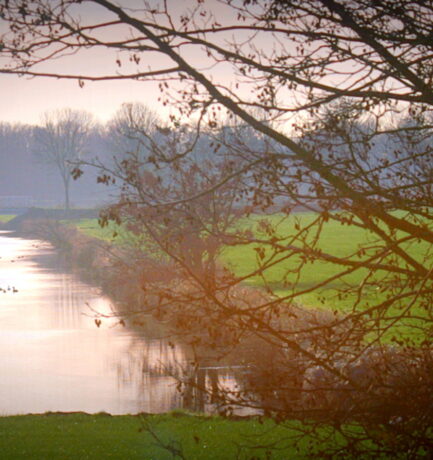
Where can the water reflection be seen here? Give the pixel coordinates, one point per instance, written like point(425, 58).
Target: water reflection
point(197, 384)
point(52, 356)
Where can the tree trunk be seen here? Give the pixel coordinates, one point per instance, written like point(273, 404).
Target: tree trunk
point(67, 204)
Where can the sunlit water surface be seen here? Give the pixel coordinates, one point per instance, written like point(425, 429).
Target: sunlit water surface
point(54, 358)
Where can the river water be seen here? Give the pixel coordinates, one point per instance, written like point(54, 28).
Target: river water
point(52, 355)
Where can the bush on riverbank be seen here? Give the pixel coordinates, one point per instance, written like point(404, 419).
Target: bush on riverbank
point(120, 271)
point(336, 238)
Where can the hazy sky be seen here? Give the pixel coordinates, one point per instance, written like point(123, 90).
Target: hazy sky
point(24, 100)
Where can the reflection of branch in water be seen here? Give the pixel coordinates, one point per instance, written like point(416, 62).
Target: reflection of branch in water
point(175, 375)
point(169, 370)
point(197, 383)
point(205, 388)
point(143, 367)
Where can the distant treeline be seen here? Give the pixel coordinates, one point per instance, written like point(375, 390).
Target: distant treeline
point(25, 179)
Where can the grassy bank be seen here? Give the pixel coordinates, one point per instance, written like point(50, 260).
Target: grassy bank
point(335, 238)
point(176, 435)
point(6, 218)
point(91, 227)
point(82, 436)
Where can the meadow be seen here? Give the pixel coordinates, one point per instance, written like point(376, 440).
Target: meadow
point(335, 239)
point(6, 218)
point(112, 233)
point(82, 436)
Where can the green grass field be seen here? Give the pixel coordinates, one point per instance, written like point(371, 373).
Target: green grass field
point(335, 239)
point(6, 218)
point(91, 227)
point(81, 436)
point(338, 240)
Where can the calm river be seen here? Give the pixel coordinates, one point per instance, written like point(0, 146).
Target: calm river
point(54, 358)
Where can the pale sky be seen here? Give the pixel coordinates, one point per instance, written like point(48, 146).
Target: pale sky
point(24, 100)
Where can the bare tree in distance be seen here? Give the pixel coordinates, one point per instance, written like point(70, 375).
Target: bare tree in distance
point(131, 128)
point(61, 142)
point(158, 172)
point(337, 79)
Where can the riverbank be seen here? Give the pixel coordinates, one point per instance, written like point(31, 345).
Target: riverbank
point(94, 260)
point(5, 218)
point(82, 436)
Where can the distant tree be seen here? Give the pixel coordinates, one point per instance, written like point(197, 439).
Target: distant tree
point(15, 159)
point(131, 128)
point(164, 176)
point(61, 142)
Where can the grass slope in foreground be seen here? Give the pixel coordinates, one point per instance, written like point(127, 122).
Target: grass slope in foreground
point(82, 436)
point(57, 436)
